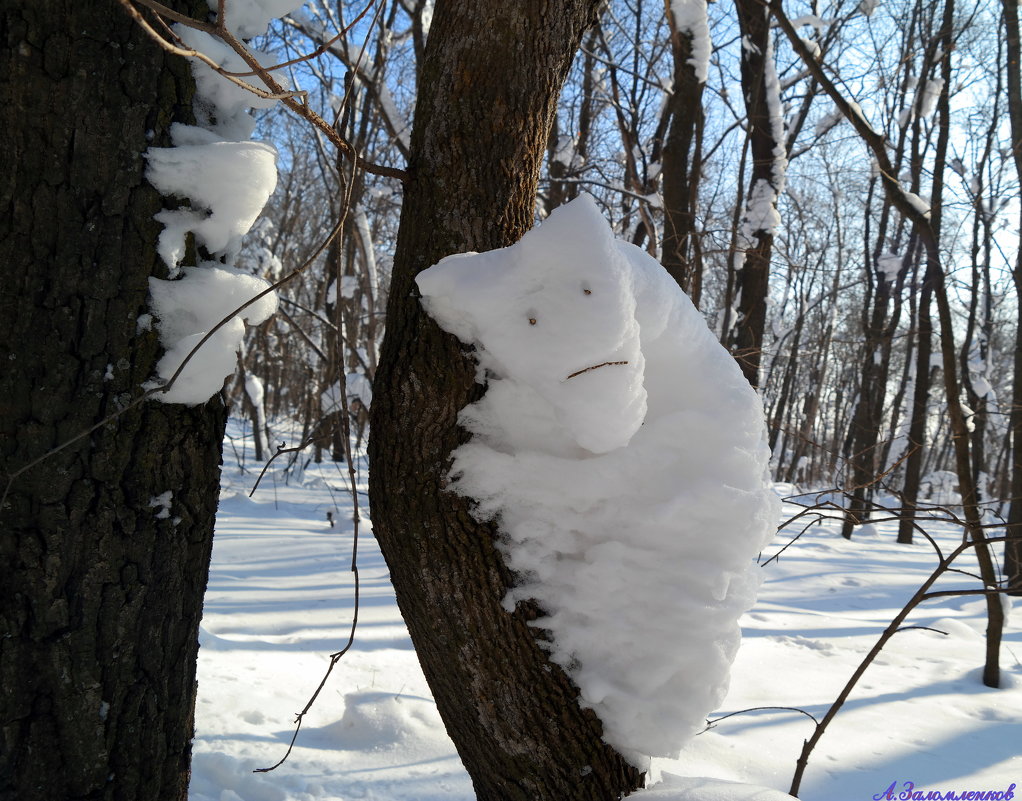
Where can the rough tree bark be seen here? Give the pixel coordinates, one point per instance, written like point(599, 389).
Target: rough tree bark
point(490, 80)
point(682, 256)
point(878, 330)
point(753, 280)
point(100, 592)
point(1013, 548)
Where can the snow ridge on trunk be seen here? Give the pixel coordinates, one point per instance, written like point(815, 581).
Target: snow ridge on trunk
point(226, 180)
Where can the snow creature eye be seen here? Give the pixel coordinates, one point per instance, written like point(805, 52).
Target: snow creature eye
point(532, 321)
point(587, 291)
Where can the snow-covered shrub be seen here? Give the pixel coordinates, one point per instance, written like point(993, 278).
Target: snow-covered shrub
point(625, 458)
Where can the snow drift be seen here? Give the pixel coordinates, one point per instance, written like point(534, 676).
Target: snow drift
point(624, 456)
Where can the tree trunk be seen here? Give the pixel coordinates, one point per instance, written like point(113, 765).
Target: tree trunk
point(864, 431)
point(104, 545)
point(682, 167)
point(1013, 547)
point(920, 412)
point(490, 82)
point(767, 148)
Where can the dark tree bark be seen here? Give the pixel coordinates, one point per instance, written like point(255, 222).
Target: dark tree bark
point(1013, 548)
point(920, 411)
point(753, 280)
point(490, 81)
point(861, 449)
point(100, 592)
point(682, 256)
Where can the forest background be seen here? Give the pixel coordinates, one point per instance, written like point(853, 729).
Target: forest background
point(837, 332)
point(837, 191)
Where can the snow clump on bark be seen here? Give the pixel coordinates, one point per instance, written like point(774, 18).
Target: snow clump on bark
point(226, 180)
point(625, 458)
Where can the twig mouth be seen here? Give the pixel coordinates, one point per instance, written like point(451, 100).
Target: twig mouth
point(594, 367)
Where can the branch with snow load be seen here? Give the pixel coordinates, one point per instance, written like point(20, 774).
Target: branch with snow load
point(219, 46)
point(647, 481)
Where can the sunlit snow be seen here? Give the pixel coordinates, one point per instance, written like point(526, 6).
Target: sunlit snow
point(624, 455)
point(280, 600)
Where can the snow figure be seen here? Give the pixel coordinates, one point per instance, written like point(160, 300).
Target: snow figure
point(624, 456)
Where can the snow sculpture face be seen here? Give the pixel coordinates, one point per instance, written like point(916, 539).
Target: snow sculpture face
point(556, 311)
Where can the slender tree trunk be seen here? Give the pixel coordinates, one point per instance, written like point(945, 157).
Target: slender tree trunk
point(959, 427)
point(104, 545)
point(490, 82)
point(920, 412)
point(682, 166)
point(1013, 548)
point(787, 385)
point(864, 431)
point(767, 148)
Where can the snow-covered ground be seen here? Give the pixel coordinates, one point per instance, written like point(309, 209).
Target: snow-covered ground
point(280, 600)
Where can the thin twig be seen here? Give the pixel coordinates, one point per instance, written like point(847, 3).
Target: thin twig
point(712, 723)
point(594, 367)
point(296, 100)
point(355, 519)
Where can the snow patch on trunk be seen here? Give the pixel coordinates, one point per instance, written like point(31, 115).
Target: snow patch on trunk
point(690, 19)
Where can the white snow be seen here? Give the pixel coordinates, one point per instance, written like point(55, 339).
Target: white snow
point(280, 600)
point(929, 95)
point(368, 248)
point(228, 101)
point(917, 202)
point(564, 152)
point(889, 265)
point(256, 394)
point(690, 19)
point(349, 286)
point(815, 22)
point(358, 388)
point(856, 109)
point(249, 18)
point(228, 183)
point(811, 45)
point(187, 309)
point(760, 210)
point(772, 92)
point(684, 788)
point(612, 424)
point(828, 121)
point(162, 502)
